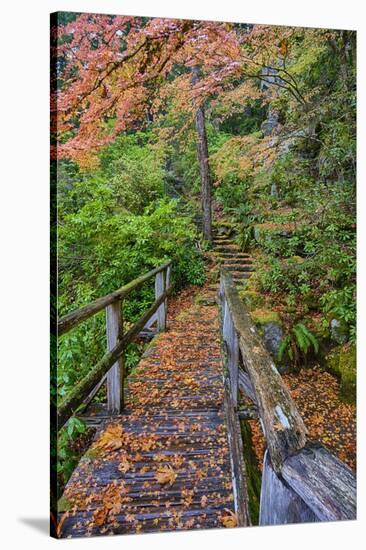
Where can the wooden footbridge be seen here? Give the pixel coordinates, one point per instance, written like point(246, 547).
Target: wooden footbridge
point(168, 452)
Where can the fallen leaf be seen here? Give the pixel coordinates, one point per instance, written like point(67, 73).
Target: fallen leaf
point(166, 474)
point(100, 515)
point(124, 466)
point(230, 519)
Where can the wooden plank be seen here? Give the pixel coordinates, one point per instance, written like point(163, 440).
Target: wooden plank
point(324, 482)
point(159, 289)
point(279, 504)
point(245, 385)
point(71, 320)
point(168, 274)
point(232, 348)
point(75, 398)
point(283, 426)
point(236, 457)
point(115, 375)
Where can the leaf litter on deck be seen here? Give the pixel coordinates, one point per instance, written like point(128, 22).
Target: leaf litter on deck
point(165, 463)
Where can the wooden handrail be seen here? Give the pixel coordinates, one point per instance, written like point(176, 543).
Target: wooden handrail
point(282, 424)
point(76, 397)
point(72, 319)
point(111, 366)
point(302, 481)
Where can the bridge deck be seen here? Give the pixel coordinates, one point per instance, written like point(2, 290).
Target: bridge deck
point(164, 464)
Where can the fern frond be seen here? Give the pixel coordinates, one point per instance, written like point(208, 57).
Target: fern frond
point(283, 346)
point(301, 338)
point(313, 340)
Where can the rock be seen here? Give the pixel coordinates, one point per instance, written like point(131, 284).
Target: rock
point(270, 328)
point(256, 232)
point(271, 123)
point(274, 190)
point(338, 331)
point(287, 144)
point(272, 336)
point(341, 362)
point(251, 298)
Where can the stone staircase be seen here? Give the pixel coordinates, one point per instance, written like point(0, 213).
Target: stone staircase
point(228, 254)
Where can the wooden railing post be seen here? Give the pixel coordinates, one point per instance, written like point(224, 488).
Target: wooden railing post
point(279, 504)
point(160, 285)
point(115, 376)
point(232, 345)
point(167, 286)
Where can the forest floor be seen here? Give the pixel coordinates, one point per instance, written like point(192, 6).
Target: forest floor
point(327, 418)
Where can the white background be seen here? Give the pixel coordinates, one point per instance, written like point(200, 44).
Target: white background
point(24, 197)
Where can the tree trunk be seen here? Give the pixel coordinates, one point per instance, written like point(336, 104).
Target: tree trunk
point(202, 155)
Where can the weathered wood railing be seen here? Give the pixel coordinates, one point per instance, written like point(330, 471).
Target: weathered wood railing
point(301, 481)
point(111, 367)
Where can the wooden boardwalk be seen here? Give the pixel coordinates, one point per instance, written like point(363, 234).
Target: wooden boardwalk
point(164, 464)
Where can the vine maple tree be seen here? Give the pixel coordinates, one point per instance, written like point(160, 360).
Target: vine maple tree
point(115, 73)
point(114, 68)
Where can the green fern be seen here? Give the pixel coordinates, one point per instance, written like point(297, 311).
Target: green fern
point(311, 338)
point(302, 341)
point(244, 238)
point(299, 340)
point(283, 347)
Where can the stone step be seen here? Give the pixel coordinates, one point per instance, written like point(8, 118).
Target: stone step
point(221, 240)
point(227, 250)
point(232, 255)
point(239, 275)
point(241, 280)
point(230, 245)
point(223, 244)
point(238, 268)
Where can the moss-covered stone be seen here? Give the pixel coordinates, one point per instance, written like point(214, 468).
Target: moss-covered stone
point(339, 331)
point(204, 300)
point(224, 228)
point(270, 328)
point(341, 362)
point(262, 316)
point(297, 260)
point(251, 298)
